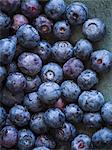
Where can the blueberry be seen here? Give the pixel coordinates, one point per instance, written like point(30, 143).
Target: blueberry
point(29, 63)
point(70, 91)
point(9, 136)
point(32, 84)
point(81, 142)
point(3, 116)
point(83, 49)
point(3, 74)
point(49, 92)
point(52, 72)
point(87, 79)
point(43, 49)
point(94, 29)
point(32, 102)
point(76, 13)
point(73, 113)
point(60, 103)
point(12, 67)
point(66, 133)
point(9, 6)
point(62, 30)
point(91, 101)
point(26, 139)
point(41, 148)
point(92, 120)
point(18, 20)
point(106, 112)
point(62, 51)
point(30, 8)
point(43, 24)
point(27, 36)
point(73, 68)
point(37, 124)
point(101, 60)
point(19, 115)
point(7, 49)
point(45, 140)
point(9, 99)
point(102, 137)
point(54, 118)
point(54, 9)
point(16, 82)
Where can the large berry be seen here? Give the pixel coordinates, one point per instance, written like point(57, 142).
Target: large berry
point(83, 49)
point(70, 91)
point(43, 25)
point(37, 124)
point(81, 142)
point(73, 68)
point(62, 51)
point(29, 63)
point(26, 139)
point(19, 115)
point(102, 137)
point(87, 79)
point(7, 49)
point(54, 118)
point(73, 113)
point(9, 136)
point(101, 60)
point(54, 9)
point(49, 92)
point(62, 30)
point(91, 101)
point(32, 102)
point(94, 29)
point(16, 82)
point(3, 74)
point(30, 8)
point(52, 72)
point(76, 13)
point(66, 133)
point(27, 36)
point(45, 140)
point(3, 116)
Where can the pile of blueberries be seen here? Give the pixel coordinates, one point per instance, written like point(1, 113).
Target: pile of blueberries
point(48, 89)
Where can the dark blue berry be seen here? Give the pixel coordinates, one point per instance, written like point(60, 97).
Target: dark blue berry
point(26, 139)
point(73, 68)
point(49, 92)
point(30, 8)
point(83, 49)
point(70, 91)
point(91, 101)
point(62, 51)
point(94, 29)
point(32, 102)
point(16, 82)
point(101, 60)
point(62, 30)
point(66, 133)
point(76, 13)
point(45, 140)
point(54, 9)
point(81, 142)
point(3, 116)
point(9, 136)
point(102, 137)
point(54, 118)
point(37, 124)
point(3, 74)
point(92, 120)
point(52, 72)
point(73, 113)
point(19, 115)
point(27, 36)
point(29, 63)
point(87, 79)
point(7, 49)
